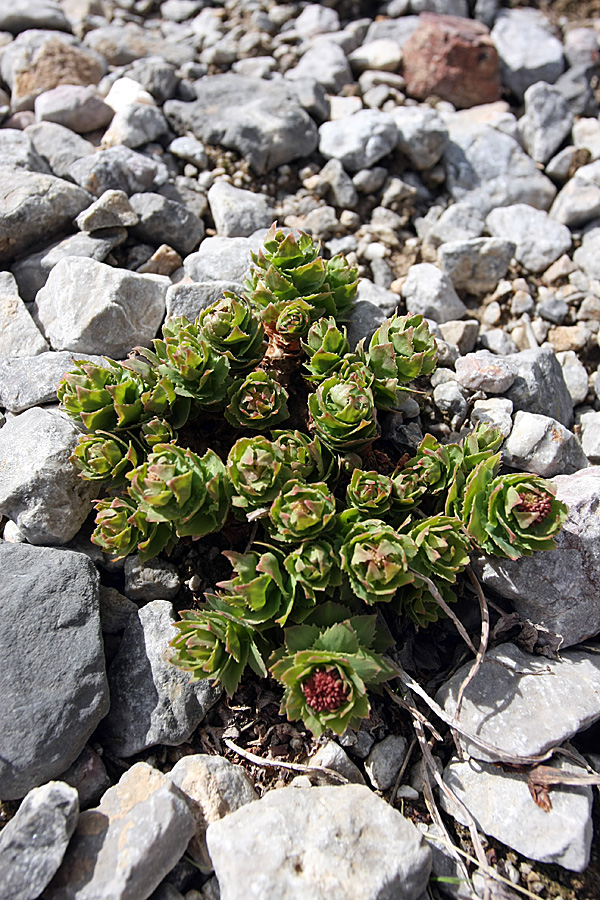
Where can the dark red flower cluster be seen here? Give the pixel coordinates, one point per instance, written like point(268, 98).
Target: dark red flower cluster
point(324, 689)
point(531, 502)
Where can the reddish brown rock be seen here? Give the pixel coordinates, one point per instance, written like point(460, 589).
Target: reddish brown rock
point(452, 58)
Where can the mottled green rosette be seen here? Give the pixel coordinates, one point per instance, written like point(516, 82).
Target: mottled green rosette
point(326, 346)
point(121, 529)
point(105, 397)
point(157, 431)
point(188, 491)
point(435, 464)
point(104, 457)
point(256, 471)
point(314, 565)
point(258, 402)
point(305, 457)
point(261, 587)
point(343, 413)
point(301, 511)
point(326, 673)
point(231, 327)
point(370, 492)
point(376, 560)
point(511, 515)
point(418, 604)
point(442, 547)
point(399, 351)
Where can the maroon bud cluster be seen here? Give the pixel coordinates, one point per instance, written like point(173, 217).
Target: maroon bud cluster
point(324, 690)
point(531, 502)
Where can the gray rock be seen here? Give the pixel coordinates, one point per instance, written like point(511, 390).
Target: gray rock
point(590, 435)
point(134, 125)
point(502, 806)
point(525, 704)
point(575, 375)
point(441, 7)
point(118, 168)
point(59, 146)
point(339, 843)
point(39, 488)
point(542, 445)
point(88, 776)
point(587, 255)
point(31, 272)
point(19, 335)
point(387, 301)
point(463, 334)
point(157, 76)
point(528, 50)
point(376, 56)
point(17, 150)
point(358, 743)
point(238, 213)
point(496, 411)
point(422, 135)
point(342, 189)
point(576, 87)
point(316, 19)
point(552, 309)
point(539, 239)
point(126, 846)
point(155, 579)
point(258, 118)
point(546, 123)
point(189, 300)
point(118, 310)
point(32, 380)
point(460, 222)
point(476, 265)
point(115, 610)
point(482, 371)
point(359, 140)
point(331, 756)
point(151, 701)
point(369, 181)
point(428, 291)
point(579, 200)
point(163, 221)
point(121, 43)
point(559, 589)
point(49, 599)
point(363, 320)
point(312, 97)
point(32, 206)
point(110, 210)
point(213, 788)
point(383, 762)
point(325, 62)
point(33, 843)
point(190, 150)
point(539, 385)
point(451, 399)
point(222, 259)
point(399, 29)
point(23, 14)
point(496, 340)
point(75, 107)
point(560, 167)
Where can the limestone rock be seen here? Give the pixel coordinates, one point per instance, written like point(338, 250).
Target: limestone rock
point(19, 335)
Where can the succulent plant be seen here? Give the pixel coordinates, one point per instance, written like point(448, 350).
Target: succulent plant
point(326, 346)
point(157, 431)
point(376, 560)
point(442, 547)
point(258, 402)
point(435, 464)
point(255, 466)
point(326, 672)
point(177, 486)
point(315, 567)
point(511, 515)
point(104, 457)
point(401, 349)
point(370, 492)
point(216, 644)
point(288, 323)
point(261, 587)
point(104, 397)
point(408, 490)
point(195, 368)
point(418, 604)
point(301, 511)
point(121, 530)
point(343, 413)
point(231, 327)
point(305, 457)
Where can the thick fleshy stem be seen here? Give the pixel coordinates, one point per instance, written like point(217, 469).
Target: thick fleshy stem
point(324, 690)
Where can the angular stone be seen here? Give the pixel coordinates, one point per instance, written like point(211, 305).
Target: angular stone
point(125, 42)
point(359, 140)
point(528, 50)
point(476, 265)
point(165, 221)
point(325, 62)
point(155, 579)
point(333, 843)
point(32, 380)
point(33, 843)
point(463, 334)
point(157, 76)
point(213, 787)
point(38, 61)
point(88, 776)
point(59, 146)
point(482, 371)
point(238, 213)
point(575, 375)
point(316, 19)
point(422, 135)
point(546, 123)
point(118, 310)
point(331, 756)
point(31, 272)
point(502, 806)
point(383, 762)
point(189, 299)
point(152, 701)
point(579, 200)
point(559, 589)
point(497, 411)
point(539, 385)
point(125, 847)
point(75, 107)
point(539, 240)
point(542, 445)
point(428, 291)
point(258, 118)
point(109, 210)
point(525, 704)
point(587, 255)
point(32, 206)
point(222, 258)
point(21, 15)
point(135, 125)
point(49, 599)
point(17, 150)
point(19, 335)
point(387, 301)
point(39, 487)
point(453, 58)
point(118, 168)
point(363, 320)
point(377, 56)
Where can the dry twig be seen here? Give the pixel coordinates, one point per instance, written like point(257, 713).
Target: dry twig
point(280, 764)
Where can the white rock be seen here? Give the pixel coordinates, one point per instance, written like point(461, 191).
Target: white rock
point(542, 445)
point(495, 411)
point(586, 133)
point(575, 375)
point(360, 140)
point(477, 265)
point(590, 435)
point(539, 240)
point(422, 135)
point(383, 762)
point(19, 335)
point(528, 50)
point(547, 121)
point(428, 291)
point(238, 213)
point(383, 55)
point(124, 92)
